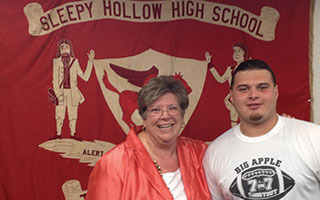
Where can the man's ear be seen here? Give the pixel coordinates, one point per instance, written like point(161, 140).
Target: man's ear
point(231, 96)
point(276, 91)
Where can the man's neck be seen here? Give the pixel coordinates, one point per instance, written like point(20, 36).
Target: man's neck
point(258, 129)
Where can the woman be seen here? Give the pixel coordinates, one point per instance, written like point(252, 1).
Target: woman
point(156, 163)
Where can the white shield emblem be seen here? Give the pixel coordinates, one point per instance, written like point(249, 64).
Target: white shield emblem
point(121, 78)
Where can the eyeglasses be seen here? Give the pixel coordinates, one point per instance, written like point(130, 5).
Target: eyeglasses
point(157, 112)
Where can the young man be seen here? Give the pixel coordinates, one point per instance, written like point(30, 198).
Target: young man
point(266, 156)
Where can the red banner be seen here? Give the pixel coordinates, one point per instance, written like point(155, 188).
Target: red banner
point(48, 151)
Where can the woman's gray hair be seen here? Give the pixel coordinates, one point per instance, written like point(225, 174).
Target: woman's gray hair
point(159, 86)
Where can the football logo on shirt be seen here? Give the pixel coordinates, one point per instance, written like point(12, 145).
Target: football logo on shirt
point(261, 182)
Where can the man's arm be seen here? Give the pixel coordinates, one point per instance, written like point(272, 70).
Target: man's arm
point(214, 72)
point(85, 76)
point(211, 179)
point(55, 79)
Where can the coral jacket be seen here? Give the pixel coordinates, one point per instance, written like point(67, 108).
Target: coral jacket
point(127, 172)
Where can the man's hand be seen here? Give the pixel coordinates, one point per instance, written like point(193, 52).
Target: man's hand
point(287, 115)
point(229, 71)
point(60, 98)
point(91, 55)
point(208, 57)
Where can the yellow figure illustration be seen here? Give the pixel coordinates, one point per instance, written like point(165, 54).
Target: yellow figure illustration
point(239, 55)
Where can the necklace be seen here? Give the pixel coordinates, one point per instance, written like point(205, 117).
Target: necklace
point(152, 157)
point(160, 172)
point(157, 166)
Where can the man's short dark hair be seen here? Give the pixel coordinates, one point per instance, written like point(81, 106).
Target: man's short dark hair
point(254, 64)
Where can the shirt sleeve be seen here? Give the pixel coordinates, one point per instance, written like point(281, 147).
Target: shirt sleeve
point(104, 182)
point(316, 149)
point(308, 146)
point(314, 152)
point(210, 175)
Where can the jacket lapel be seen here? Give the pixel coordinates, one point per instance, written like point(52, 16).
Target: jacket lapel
point(146, 165)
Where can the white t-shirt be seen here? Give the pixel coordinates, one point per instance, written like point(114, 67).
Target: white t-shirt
point(282, 164)
point(175, 184)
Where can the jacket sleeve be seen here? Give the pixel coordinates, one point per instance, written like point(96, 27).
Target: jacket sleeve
point(86, 74)
point(104, 181)
point(55, 80)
